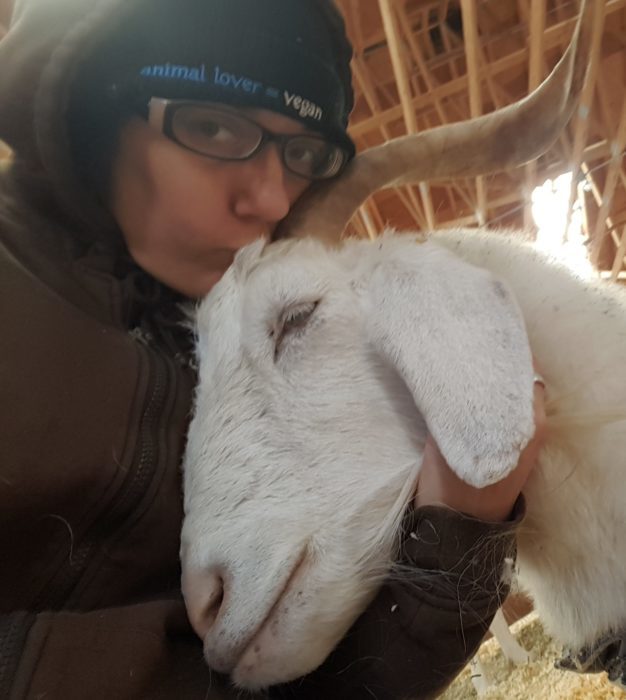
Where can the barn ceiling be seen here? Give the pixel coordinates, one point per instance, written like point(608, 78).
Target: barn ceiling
point(422, 63)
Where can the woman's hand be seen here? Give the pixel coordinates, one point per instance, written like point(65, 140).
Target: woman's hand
point(438, 485)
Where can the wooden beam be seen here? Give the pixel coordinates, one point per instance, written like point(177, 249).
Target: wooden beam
point(610, 224)
point(375, 215)
point(618, 262)
point(559, 11)
point(585, 104)
point(402, 82)
point(357, 37)
point(447, 37)
point(420, 62)
point(366, 219)
point(622, 177)
point(362, 79)
point(597, 151)
point(376, 35)
point(584, 210)
point(612, 176)
point(356, 226)
point(511, 198)
point(555, 36)
point(426, 27)
point(407, 197)
point(535, 76)
point(470, 36)
point(399, 69)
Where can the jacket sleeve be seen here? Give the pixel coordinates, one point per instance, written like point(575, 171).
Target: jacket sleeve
point(430, 617)
point(423, 626)
point(146, 650)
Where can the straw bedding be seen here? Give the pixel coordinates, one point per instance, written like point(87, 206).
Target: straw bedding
point(537, 680)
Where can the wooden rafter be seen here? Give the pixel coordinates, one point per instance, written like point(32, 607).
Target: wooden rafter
point(399, 68)
point(620, 255)
point(597, 195)
point(366, 218)
point(612, 177)
point(361, 76)
point(586, 100)
point(416, 52)
point(424, 63)
point(535, 75)
point(556, 36)
point(470, 34)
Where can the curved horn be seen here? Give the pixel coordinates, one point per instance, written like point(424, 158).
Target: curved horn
point(506, 138)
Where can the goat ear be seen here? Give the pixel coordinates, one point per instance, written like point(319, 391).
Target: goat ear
point(455, 334)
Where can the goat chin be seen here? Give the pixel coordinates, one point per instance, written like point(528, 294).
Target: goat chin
point(310, 421)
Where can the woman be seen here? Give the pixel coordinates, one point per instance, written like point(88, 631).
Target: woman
point(152, 139)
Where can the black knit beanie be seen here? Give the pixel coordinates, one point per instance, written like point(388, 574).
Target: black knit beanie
point(288, 56)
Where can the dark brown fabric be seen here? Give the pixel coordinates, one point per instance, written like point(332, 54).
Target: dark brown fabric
point(94, 404)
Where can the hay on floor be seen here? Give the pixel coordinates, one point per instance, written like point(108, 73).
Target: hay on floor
point(538, 679)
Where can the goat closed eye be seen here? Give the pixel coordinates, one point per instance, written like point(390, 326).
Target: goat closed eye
point(298, 316)
point(292, 321)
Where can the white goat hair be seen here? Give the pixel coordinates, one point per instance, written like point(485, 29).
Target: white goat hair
point(319, 370)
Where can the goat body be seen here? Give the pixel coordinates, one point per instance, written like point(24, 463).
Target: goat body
point(571, 552)
point(320, 372)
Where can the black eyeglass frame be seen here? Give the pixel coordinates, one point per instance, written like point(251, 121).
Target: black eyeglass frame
point(161, 113)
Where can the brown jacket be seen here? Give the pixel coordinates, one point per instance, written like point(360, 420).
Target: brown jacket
point(94, 402)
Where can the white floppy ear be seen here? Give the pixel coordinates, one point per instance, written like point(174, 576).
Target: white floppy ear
point(456, 335)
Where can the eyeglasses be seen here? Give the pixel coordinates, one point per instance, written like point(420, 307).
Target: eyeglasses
point(218, 132)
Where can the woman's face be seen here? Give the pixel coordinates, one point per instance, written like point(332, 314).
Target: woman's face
point(184, 216)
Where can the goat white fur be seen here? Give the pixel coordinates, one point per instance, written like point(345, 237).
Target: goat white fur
point(319, 370)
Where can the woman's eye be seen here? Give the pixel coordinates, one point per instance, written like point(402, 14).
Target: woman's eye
point(209, 128)
point(214, 131)
point(301, 154)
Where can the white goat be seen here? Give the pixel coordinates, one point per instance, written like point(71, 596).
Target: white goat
point(306, 443)
point(320, 371)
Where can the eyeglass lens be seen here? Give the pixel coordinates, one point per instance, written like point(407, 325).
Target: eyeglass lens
point(224, 135)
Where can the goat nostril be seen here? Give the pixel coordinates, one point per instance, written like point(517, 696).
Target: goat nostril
point(204, 593)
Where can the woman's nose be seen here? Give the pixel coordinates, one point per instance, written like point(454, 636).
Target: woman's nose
point(262, 191)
